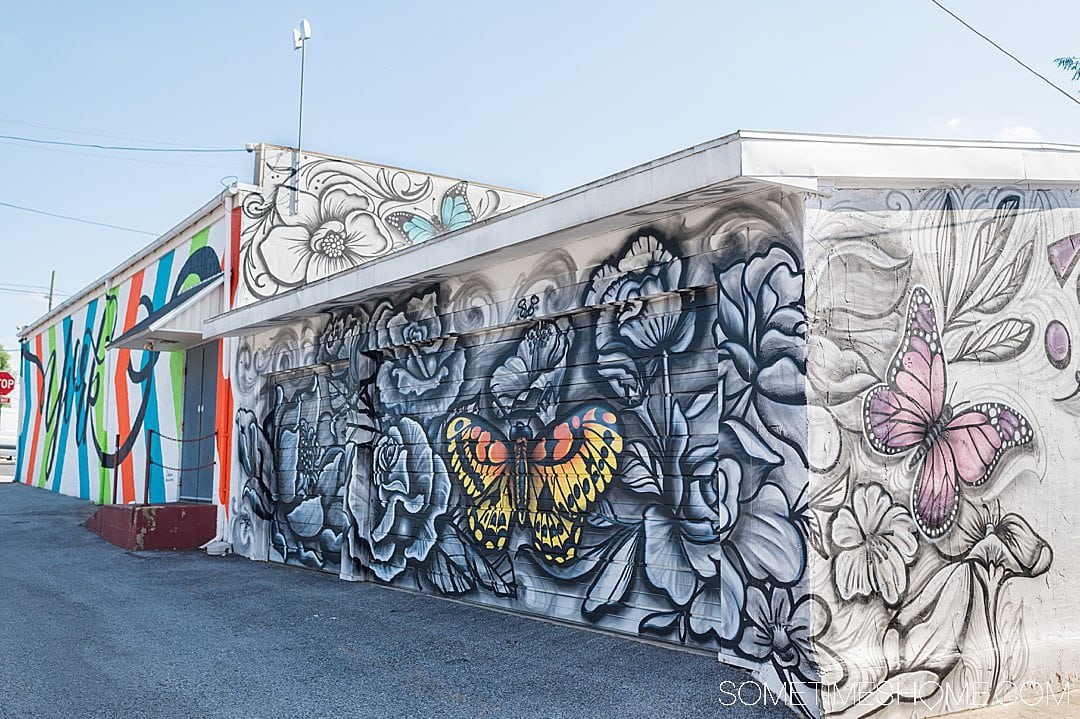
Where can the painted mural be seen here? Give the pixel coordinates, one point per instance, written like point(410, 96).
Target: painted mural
point(612, 433)
point(339, 214)
point(939, 356)
point(92, 414)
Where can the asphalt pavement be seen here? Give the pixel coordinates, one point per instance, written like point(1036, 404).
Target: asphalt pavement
point(89, 630)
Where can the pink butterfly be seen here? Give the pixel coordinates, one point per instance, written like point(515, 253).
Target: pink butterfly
point(910, 412)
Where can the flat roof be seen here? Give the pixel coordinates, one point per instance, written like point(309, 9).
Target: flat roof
point(739, 163)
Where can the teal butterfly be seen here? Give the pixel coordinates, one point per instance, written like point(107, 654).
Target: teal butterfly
point(455, 212)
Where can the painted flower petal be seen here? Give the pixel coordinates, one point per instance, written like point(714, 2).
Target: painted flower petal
point(306, 518)
point(851, 572)
point(846, 532)
point(286, 251)
point(767, 541)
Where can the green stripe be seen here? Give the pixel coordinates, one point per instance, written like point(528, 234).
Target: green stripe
point(176, 369)
point(51, 410)
point(199, 240)
point(100, 381)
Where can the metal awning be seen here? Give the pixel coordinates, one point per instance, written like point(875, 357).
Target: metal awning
point(178, 324)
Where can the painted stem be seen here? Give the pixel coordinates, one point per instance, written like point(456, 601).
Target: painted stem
point(990, 605)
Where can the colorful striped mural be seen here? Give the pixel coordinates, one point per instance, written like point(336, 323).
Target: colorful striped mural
point(90, 412)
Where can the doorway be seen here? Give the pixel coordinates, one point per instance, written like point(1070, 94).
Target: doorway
point(199, 423)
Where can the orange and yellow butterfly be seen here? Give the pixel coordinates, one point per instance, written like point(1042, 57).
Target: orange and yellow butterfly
point(546, 485)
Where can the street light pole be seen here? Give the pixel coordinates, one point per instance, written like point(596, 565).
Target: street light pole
point(301, 36)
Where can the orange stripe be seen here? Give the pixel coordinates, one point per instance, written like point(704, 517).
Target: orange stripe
point(224, 425)
point(123, 412)
point(37, 413)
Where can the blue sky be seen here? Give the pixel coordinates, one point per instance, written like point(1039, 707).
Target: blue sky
point(538, 96)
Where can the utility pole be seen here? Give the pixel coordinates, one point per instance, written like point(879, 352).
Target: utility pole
point(300, 39)
point(52, 289)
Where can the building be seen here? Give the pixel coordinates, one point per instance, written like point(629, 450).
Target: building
point(808, 402)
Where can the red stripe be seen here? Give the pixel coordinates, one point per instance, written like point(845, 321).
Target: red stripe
point(37, 414)
point(224, 423)
point(234, 254)
point(123, 412)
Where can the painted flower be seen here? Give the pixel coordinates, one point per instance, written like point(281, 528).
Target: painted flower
point(876, 543)
point(410, 491)
point(424, 369)
point(760, 330)
point(726, 521)
point(329, 232)
point(311, 467)
point(642, 313)
point(530, 378)
point(778, 628)
point(1003, 545)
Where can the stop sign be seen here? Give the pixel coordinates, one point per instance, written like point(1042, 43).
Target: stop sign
point(7, 383)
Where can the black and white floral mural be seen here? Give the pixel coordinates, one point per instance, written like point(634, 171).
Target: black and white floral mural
point(924, 413)
point(612, 433)
point(332, 215)
point(821, 468)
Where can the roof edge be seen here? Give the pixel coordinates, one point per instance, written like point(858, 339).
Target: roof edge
point(175, 231)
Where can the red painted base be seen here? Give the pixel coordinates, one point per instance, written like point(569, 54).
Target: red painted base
point(157, 526)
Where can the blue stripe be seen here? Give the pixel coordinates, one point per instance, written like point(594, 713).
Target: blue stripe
point(153, 417)
point(83, 407)
point(67, 380)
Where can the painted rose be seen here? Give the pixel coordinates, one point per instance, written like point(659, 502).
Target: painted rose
point(329, 232)
point(876, 543)
point(410, 489)
point(423, 370)
point(759, 330)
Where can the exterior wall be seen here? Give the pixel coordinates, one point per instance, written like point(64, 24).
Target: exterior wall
point(78, 396)
point(943, 417)
point(611, 433)
point(346, 213)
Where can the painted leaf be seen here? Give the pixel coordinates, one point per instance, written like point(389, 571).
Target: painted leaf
point(931, 627)
point(612, 583)
point(738, 440)
point(1002, 341)
point(494, 571)
point(448, 569)
point(1003, 286)
point(639, 471)
point(702, 402)
point(990, 240)
point(662, 623)
point(945, 246)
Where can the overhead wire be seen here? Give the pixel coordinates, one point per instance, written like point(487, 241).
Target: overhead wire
point(71, 218)
point(67, 129)
point(120, 148)
point(116, 157)
point(1015, 59)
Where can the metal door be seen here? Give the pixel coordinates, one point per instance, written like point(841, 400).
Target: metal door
point(199, 427)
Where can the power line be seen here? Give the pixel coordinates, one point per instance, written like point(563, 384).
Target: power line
point(38, 293)
point(123, 148)
point(77, 219)
point(95, 133)
point(43, 288)
point(1017, 60)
